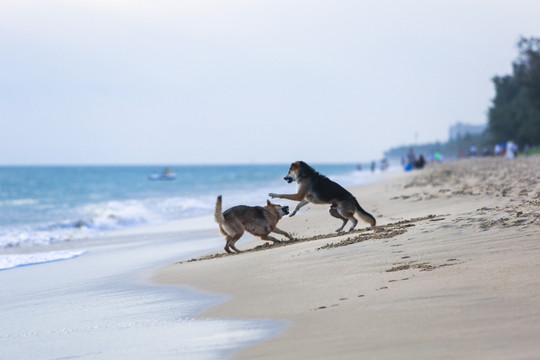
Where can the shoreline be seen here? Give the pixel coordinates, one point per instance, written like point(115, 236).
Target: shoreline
point(101, 305)
point(449, 272)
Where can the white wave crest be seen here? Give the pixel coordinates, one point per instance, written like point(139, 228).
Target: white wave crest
point(38, 237)
point(118, 214)
point(15, 260)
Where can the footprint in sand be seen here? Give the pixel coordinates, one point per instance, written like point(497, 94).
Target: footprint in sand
point(322, 307)
point(326, 307)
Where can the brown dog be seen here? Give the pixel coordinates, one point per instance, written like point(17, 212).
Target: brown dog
point(318, 189)
point(257, 220)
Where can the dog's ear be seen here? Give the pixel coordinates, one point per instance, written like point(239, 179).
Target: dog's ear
point(268, 202)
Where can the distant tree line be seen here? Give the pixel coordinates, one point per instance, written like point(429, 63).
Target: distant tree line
point(515, 113)
point(513, 116)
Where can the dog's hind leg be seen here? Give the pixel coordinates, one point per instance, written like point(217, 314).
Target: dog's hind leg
point(234, 248)
point(335, 213)
point(233, 241)
point(354, 222)
point(350, 216)
point(228, 242)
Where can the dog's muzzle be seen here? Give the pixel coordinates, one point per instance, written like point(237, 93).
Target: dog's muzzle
point(285, 210)
point(288, 178)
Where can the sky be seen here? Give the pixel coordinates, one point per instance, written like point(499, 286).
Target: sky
point(245, 81)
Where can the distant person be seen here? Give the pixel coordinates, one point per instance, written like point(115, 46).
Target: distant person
point(373, 166)
point(384, 164)
point(511, 150)
point(411, 158)
point(472, 151)
point(485, 151)
point(419, 164)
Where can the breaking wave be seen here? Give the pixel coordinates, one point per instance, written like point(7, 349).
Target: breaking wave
point(99, 218)
point(16, 260)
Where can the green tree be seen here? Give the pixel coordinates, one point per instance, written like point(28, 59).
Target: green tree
point(515, 113)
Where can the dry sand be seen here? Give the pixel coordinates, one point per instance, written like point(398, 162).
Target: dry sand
point(452, 271)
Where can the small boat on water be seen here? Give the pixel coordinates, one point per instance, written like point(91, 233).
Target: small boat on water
point(166, 174)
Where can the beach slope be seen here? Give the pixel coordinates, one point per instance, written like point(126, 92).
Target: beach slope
point(450, 271)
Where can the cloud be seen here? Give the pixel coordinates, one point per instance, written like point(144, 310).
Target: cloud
point(195, 74)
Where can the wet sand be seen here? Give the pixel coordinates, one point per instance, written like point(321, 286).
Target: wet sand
point(450, 271)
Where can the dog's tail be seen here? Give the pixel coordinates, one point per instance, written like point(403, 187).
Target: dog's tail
point(367, 217)
point(220, 219)
point(218, 213)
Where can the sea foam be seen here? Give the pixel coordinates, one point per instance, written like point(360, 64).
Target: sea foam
point(14, 260)
point(96, 219)
point(78, 203)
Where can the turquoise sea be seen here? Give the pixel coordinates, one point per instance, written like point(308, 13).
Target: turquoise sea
point(78, 242)
point(42, 205)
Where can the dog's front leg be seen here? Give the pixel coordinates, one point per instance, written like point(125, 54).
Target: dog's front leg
point(269, 238)
point(300, 204)
point(284, 233)
point(293, 197)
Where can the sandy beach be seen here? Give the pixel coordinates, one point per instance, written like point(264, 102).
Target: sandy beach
point(450, 271)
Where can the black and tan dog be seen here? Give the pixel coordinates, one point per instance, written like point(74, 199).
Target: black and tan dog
point(257, 220)
point(318, 189)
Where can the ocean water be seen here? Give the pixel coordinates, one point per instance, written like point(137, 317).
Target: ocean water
point(99, 306)
point(74, 281)
point(42, 205)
